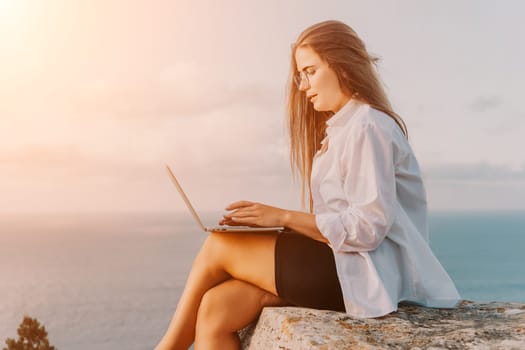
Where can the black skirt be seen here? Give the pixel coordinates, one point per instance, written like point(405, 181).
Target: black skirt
point(305, 273)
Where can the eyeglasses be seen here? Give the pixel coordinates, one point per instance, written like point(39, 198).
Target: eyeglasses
point(305, 75)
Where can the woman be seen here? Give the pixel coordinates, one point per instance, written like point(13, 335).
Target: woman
point(361, 249)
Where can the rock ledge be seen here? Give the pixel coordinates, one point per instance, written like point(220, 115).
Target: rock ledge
point(495, 325)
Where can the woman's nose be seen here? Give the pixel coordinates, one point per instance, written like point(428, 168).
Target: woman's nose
point(304, 85)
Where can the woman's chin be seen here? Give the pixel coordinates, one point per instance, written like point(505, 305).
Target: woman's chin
point(318, 107)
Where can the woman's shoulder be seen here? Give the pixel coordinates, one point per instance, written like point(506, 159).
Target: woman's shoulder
point(370, 123)
point(373, 129)
point(368, 118)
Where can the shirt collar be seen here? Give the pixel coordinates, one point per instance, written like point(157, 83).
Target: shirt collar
point(342, 115)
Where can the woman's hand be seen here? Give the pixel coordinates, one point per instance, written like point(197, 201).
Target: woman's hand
point(254, 214)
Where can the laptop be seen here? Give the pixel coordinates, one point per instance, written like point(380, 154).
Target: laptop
point(223, 228)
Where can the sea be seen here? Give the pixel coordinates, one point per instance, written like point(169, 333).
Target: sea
point(111, 281)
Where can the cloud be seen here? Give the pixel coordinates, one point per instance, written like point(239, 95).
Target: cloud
point(482, 172)
point(474, 186)
point(475, 196)
point(486, 103)
point(183, 89)
point(69, 179)
point(44, 163)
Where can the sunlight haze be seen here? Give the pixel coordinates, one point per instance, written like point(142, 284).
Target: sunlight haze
point(97, 96)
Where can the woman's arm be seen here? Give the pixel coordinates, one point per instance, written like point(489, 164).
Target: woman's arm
point(303, 223)
point(252, 213)
point(368, 157)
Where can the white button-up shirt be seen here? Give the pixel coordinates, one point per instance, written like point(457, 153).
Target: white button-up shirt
point(370, 203)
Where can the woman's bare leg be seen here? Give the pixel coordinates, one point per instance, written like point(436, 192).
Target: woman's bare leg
point(226, 308)
point(247, 257)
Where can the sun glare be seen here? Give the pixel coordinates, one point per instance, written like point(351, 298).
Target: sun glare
point(6, 6)
point(10, 11)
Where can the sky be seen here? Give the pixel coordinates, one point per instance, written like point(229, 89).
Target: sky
point(96, 97)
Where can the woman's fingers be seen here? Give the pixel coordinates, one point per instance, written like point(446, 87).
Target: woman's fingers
point(245, 220)
point(240, 209)
point(252, 213)
point(231, 223)
point(237, 205)
point(241, 213)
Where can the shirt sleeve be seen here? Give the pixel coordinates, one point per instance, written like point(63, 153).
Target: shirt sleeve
point(369, 185)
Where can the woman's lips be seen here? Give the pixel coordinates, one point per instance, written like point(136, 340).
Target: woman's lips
point(313, 97)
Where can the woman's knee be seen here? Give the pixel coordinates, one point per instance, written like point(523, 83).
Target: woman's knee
point(219, 246)
point(246, 257)
point(211, 250)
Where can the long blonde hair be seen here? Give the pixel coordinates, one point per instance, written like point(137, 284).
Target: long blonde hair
point(339, 46)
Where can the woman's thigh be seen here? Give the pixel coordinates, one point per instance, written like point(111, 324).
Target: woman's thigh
point(248, 257)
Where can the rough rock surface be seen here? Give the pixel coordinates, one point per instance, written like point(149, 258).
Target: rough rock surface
point(471, 325)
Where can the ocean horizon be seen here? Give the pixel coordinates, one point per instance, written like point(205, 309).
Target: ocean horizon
point(112, 280)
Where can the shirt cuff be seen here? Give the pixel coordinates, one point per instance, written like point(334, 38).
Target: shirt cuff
point(331, 227)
